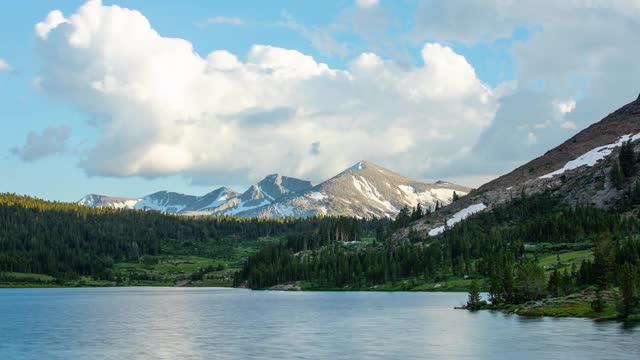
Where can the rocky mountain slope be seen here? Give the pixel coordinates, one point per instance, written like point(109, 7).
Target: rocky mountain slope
point(578, 171)
point(363, 190)
point(98, 201)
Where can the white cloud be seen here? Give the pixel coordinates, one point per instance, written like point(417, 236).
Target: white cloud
point(50, 141)
point(565, 107)
point(576, 64)
point(4, 65)
point(164, 109)
point(54, 19)
point(216, 20)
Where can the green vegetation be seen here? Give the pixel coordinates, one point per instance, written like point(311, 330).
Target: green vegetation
point(565, 260)
point(474, 302)
point(529, 251)
point(60, 244)
point(576, 305)
point(535, 255)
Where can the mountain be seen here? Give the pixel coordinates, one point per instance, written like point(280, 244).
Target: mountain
point(364, 190)
point(103, 201)
point(577, 171)
point(176, 203)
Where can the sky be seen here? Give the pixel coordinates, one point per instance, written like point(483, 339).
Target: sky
point(126, 98)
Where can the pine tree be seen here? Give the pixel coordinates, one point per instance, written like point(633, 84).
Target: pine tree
point(627, 159)
point(617, 176)
point(473, 300)
point(379, 231)
point(628, 286)
point(554, 284)
point(597, 304)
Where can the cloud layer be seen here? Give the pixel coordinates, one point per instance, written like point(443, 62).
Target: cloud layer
point(577, 64)
point(164, 109)
point(49, 142)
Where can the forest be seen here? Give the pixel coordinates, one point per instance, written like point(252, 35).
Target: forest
point(505, 251)
point(67, 240)
point(495, 247)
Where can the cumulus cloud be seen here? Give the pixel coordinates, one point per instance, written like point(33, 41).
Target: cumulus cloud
point(4, 65)
point(50, 141)
point(163, 109)
point(576, 65)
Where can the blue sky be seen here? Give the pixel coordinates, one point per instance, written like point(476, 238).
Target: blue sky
point(444, 90)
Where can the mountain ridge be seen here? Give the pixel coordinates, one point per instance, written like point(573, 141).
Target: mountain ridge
point(362, 190)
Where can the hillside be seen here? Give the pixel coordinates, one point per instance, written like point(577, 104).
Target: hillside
point(544, 239)
point(578, 171)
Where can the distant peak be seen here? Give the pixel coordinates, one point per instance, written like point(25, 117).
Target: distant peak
point(357, 166)
point(221, 191)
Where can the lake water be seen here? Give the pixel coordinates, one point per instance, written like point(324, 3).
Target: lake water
point(183, 323)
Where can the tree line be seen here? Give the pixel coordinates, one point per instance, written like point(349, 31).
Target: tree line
point(489, 244)
point(68, 240)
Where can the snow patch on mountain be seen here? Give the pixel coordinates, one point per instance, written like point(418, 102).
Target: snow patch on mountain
point(372, 193)
point(317, 196)
point(149, 203)
point(127, 204)
point(285, 210)
point(457, 217)
point(362, 190)
point(102, 201)
point(413, 198)
point(241, 207)
point(222, 198)
point(591, 157)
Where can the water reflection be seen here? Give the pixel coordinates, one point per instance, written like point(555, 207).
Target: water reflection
point(170, 323)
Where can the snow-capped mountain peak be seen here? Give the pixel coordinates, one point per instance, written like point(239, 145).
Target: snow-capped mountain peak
point(96, 200)
point(363, 189)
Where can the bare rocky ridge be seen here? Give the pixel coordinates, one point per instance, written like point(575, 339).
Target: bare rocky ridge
point(363, 190)
point(582, 185)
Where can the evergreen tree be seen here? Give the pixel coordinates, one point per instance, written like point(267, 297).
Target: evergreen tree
point(617, 176)
point(597, 304)
point(379, 231)
point(554, 284)
point(628, 288)
point(473, 300)
point(627, 159)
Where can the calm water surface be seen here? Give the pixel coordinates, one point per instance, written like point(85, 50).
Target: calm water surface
point(181, 323)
